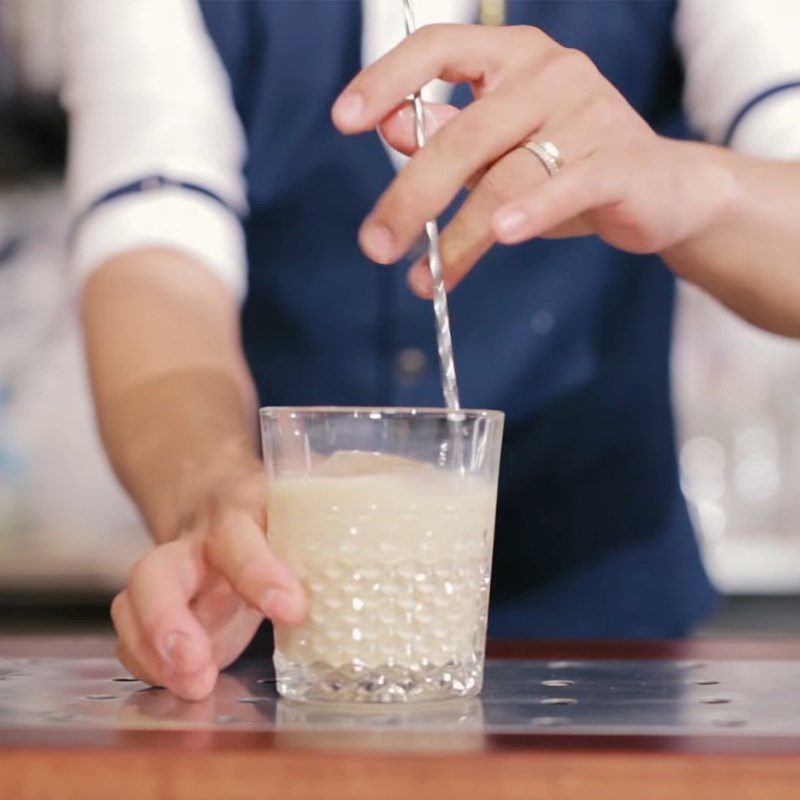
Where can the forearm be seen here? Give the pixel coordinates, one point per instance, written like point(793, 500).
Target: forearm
point(175, 402)
point(749, 256)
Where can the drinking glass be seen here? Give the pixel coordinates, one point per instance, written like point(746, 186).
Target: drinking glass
point(387, 515)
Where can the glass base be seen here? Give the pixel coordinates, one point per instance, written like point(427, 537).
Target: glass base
point(388, 683)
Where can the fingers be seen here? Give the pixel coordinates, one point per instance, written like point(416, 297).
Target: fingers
point(573, 191)
point(526, 85)
point(238, 548)
point(456, 53)
point(159, 635)
point(229, 622)
point(160, 588)
point(129, 641)
point(469, 234)
point(144, 662)
point(553, 207)
point(399, 128)
point(479, 135)
point(519, 173)
point(540, 96)
point(524, 82)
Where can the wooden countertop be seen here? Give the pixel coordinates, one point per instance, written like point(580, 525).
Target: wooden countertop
point(233, 765)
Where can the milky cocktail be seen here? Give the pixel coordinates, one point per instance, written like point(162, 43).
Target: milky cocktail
point(388, 518)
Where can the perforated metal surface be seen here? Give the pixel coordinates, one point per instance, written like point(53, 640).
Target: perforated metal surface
point(751, 698)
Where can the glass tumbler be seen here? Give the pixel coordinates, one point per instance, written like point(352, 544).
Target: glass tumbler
point(387, 515)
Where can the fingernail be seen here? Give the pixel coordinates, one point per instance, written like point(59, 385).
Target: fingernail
point(174, 648)
point(377, 241)
point(284, 606)
point(508, 222)
point(274, 602)
point(348, 110)
point(419, 278)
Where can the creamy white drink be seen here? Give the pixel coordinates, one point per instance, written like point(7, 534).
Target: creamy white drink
point(396, 558)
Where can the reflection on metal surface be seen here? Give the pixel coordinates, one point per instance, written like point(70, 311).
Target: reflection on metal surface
point(606, 697)
point(729, 722)
point(715, 701)
point(558, 701)
point(451, 725)
point(547, 722)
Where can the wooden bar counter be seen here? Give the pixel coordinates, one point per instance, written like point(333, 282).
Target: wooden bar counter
point(724, 742)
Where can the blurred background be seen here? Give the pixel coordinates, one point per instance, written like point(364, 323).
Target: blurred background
point(68, 533)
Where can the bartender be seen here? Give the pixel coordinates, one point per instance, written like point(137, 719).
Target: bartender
point(233, 179)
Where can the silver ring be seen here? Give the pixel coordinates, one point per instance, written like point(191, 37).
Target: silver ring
point(547, 153)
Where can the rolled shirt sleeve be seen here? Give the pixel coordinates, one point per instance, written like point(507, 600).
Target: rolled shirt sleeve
point(742, 60)
point(156, 146)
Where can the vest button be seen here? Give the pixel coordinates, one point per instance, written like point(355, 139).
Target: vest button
point(542, 322)
point(411, 364)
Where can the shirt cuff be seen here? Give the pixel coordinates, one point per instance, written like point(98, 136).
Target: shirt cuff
point(180, 219)
point(771, 127)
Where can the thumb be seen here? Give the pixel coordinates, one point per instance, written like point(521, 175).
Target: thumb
point(399, 128)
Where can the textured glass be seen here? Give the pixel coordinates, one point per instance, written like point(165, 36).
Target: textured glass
point(388, 518)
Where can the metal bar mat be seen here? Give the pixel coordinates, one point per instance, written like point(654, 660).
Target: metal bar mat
point(675, 698)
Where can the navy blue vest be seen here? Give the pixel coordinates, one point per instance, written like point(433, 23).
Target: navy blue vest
point(569, 338)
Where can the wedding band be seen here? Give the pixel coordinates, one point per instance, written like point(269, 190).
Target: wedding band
point(547, 153)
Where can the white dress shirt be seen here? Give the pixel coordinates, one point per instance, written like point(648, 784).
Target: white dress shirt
point(148, 95)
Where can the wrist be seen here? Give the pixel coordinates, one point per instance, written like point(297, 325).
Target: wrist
point(202, 481)
point(708, 197)
point(174, 437)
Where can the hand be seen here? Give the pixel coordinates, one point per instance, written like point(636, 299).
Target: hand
point(193, 604)
point(638, 191)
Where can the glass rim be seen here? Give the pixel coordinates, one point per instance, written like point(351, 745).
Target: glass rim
point(267, 412)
